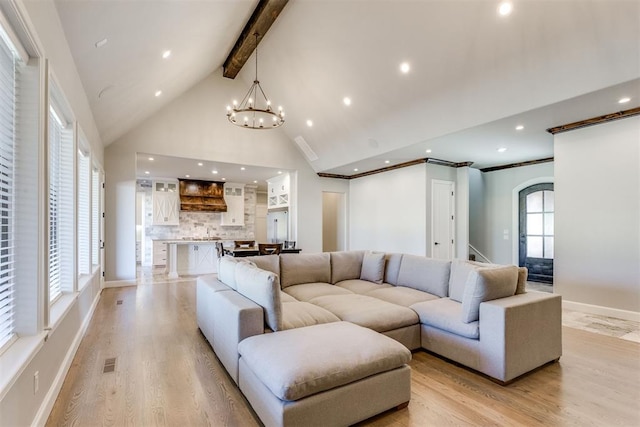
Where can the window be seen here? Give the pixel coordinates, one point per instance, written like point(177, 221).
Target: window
point(84, 212)
point(61, 205)
point(540, 224)
point(95, 216)
point(8, 63)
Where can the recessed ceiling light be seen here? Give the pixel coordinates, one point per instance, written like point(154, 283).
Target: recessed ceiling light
point(355, 169)
point(166, 54)
point(279, 172)
point(624, 100)
point(101, 43)
point(309, 123)
point(224, 179)
point(346, 100)
point(242, 168)
point(428, 150)
point(405, 67)
point(505, 8)
point(502, 149)
point(255, 182)
point(519, 127)
point(158, 92)
point(151, 159)
point(187, 176)
point(146, 172)
point(386, 162)
point(215, 172)
point(199, 163)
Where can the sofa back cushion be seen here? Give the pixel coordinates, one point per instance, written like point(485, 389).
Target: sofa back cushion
point(373, 267)
point(522, 275)
point(227, 271)
point(296, 269)
point(425, 274)
point(392, 268)
point(261, 286)
point(486, 284)
point(460, 271)
point(266, 262)
point(345, 265)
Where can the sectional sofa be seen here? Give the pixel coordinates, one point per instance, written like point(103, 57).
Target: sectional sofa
point(478, 315)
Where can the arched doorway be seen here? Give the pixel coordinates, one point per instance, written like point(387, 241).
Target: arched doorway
point(536, 231)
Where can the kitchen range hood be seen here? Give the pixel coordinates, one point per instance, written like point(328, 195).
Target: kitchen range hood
point(202, 196)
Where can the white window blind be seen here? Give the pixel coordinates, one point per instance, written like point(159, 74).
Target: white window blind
point(95, 216)
point(61, 205)
point(84, 213)
point(7, 208)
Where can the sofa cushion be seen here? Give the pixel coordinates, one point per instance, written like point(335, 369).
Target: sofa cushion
point(227, 271)
point(392, 268)
point(460, 270)
point(285, 297)
point(299, 314)
point(401, 295)
point(372, 313)
point(345, 265)
point(486, 284)
point(445, 314)
point(300, 362)
point(266, 262)
point(425, 274)
point(261, 287)
point(309, 291)
point(522, 275)
point(358, 286)
point(373, 267)
point(304, 268)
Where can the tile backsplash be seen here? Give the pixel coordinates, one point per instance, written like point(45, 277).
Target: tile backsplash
point(196, 224)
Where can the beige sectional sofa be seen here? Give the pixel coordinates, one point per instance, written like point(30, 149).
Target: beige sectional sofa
point(478, 315)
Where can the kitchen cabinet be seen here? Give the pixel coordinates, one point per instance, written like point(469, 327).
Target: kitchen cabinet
point(166, 203)
point(195, 259)
point(159, 256)
point(279, 192)
point(234, 198)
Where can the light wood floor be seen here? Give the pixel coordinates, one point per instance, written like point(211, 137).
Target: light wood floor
point(167, 375)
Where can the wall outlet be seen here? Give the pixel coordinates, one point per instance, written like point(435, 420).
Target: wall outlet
point(36, 382)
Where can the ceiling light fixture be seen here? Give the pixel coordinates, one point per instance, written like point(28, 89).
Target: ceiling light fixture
point(405, 67)
point(347, 101)
point(386, 162)
point(255, 107)
point(166, 54)
point(505, 8)
point(624, 100)
point(146, 172)
point(151, 159)
point(158, 93)
point(215, 172)
point(242, 168)
point(101, 43)
point(199, 163)
point(310, 123)
point(355, 169)
point(519, 127)
point(187, 176)
point(428, 150)
point(502, 149)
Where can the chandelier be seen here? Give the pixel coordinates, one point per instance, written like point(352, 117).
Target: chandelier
point(255, 111)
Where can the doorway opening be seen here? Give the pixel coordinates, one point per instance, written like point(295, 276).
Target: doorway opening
point(334, 223)
point(536, 231)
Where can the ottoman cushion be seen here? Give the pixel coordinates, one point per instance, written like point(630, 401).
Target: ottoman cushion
point(300, 362)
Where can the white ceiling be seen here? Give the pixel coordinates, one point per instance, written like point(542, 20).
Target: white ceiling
point(474, 75)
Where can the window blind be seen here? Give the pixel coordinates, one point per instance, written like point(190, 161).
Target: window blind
point(95, 216)
point(7, 208)
point(84, 213)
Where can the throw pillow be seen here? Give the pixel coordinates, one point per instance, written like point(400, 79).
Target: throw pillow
point(486, 284)
point(372, 267)
point(460, 271)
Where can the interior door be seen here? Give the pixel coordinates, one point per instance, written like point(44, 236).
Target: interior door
point(442, 219)
point(536, 206)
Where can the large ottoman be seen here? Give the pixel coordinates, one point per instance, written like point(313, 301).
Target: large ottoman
point(332, 374)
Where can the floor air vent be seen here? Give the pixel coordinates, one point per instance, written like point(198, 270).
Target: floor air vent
point(109, 365)
point(119, 302)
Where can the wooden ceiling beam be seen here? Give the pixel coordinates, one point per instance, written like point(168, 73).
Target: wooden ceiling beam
point(261, 20)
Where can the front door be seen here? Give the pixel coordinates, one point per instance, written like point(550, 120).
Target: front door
point(536, 231)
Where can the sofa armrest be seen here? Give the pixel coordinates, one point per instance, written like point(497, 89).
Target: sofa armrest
point(235, 317)
point(520, 333)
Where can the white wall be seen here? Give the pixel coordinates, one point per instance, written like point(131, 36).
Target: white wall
point(491, 211)
point(597, 218)
point(195, 126)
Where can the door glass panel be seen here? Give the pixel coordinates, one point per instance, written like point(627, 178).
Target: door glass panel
point(548, 224)
point(548, 201)
point(534, 202)
point(534, 247)
point(548, 247)
point(534, 223)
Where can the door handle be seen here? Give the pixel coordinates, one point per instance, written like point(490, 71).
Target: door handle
point(436, 243)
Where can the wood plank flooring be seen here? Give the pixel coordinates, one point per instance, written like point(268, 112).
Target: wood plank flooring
point(166, 374)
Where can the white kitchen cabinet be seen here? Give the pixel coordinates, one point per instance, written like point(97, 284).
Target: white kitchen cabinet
point(159, 253)
point(234, 198)
point(195, 259)
point(279, 192)
point(166, 203)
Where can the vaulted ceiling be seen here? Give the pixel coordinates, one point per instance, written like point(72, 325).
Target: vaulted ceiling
point(474, 75)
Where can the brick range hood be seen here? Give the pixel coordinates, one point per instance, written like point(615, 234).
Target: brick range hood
point(202, 196)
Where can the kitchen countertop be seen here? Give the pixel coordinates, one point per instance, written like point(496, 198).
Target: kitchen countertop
point(199, 241)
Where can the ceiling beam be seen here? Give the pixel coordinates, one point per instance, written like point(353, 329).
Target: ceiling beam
point(595, 120)
point(261, 20)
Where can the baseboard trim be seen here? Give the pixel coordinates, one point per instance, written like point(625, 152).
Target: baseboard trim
point(119, 283)
point(50, 399)
point(602, 311)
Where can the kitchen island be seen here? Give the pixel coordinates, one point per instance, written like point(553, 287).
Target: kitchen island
point(187, 257)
